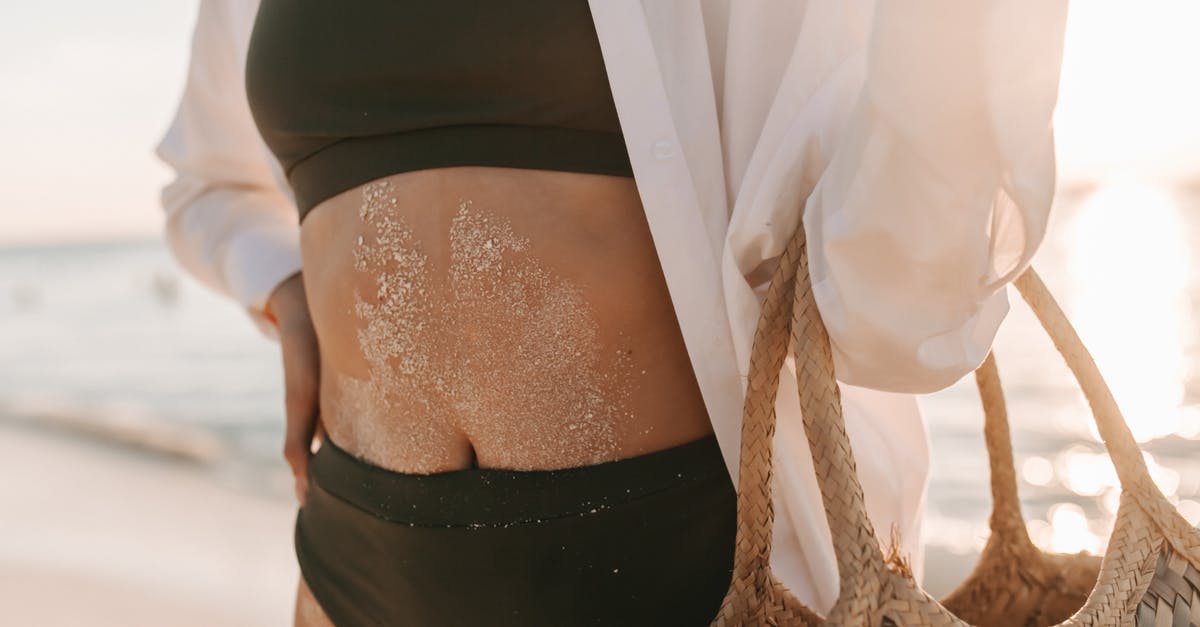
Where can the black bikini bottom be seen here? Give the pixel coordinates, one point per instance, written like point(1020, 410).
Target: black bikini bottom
point(646, 540)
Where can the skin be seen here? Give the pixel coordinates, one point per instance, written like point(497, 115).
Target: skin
point(288, 305)
point(589, 229)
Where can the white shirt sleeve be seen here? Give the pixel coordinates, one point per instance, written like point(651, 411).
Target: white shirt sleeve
point(938, 190)
point(230, 219)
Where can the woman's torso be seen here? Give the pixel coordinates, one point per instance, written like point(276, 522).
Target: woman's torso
point(498, 302)
point(516, 316)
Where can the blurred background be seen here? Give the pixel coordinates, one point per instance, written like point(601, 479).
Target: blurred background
point(141, 415)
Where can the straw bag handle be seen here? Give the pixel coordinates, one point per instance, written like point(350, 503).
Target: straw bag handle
point(1114, 430)
point(754, 595)
point(836, 476)
point(863, 575)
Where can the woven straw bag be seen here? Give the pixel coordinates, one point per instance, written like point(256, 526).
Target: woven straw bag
point(1147, 578)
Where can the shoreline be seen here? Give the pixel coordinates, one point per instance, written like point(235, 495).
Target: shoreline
point(142, 434)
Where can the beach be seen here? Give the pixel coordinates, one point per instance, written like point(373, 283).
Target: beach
point(99, 533)
point(142, 413)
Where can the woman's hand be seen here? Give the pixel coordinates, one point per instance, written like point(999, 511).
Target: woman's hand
point(288, 305)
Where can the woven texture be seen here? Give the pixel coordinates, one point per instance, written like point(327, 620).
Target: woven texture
point(1014, 582)
point(1174, 592)
point(1148, 576)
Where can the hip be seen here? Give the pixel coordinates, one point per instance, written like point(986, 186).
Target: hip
point(643, 540)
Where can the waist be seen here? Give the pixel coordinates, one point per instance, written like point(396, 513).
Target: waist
point(463, 231)
point(520, 316)
point(496, 496)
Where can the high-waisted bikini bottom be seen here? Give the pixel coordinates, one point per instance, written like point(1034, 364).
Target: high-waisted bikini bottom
point(646, 540)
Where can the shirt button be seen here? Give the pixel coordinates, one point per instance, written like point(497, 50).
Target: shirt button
point(664, 149)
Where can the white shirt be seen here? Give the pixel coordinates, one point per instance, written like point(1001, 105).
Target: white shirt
point(915, 137)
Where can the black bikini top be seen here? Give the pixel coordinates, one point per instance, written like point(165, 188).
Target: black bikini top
point(347, 92)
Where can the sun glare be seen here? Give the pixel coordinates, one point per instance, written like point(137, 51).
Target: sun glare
point(1128, 96)
point(1130, 268)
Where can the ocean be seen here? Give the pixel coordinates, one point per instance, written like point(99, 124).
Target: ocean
point(114, 340)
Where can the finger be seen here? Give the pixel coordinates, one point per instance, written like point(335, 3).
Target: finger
point(297, 448)
point(301, 377)
point(301, 426)
point(320, 428)
point(301, 490)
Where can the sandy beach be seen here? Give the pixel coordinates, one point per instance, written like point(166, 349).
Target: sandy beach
point(100, 534)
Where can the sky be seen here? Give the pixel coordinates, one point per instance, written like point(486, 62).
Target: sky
point(1129, 98)
point(87, 88)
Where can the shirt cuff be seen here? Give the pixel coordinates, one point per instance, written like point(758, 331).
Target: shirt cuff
point(256, 261)
point(265, 324)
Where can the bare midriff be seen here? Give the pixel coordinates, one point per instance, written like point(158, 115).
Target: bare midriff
point(495, 318)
